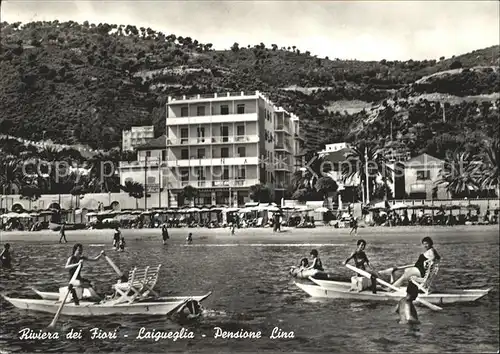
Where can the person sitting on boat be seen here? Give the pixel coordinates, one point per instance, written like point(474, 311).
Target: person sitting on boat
point(73, 262)
point(425, 260)
point(361, 262)
point(316, 263)
point(116, 237)
point(5, 257)
point(304, 263)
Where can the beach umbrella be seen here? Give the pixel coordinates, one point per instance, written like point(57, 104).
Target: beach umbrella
point(321, 210)
point(398, 206)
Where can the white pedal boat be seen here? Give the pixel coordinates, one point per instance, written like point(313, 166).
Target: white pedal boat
point(299, 273)
point(149, 306)
point(342, 290)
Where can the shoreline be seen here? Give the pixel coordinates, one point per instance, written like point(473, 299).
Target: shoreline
point(251, 234)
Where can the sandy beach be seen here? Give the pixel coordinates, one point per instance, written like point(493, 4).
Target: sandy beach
point(321, 233)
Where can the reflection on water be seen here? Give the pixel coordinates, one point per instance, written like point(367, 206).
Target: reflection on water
point(252, 291)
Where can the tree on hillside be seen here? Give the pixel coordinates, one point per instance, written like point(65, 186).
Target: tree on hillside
point(456, 65)
point(261, 193)
point(235, 47)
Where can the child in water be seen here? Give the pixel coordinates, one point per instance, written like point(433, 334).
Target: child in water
point(121, 245)
point(5, 257)
point(189, 239)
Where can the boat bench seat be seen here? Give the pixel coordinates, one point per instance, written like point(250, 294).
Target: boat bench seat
point(141, 282)
point(425, 283)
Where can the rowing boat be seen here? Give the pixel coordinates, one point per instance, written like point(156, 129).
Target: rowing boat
point(342, 290)
point(152, 306)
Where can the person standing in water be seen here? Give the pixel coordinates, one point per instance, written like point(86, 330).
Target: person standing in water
point(116, 237)
point(5, 257)
point(354, 226)
point(62, 233)
point(189, 239)
point(164, 233)
point(121, 245)
point(73, 262)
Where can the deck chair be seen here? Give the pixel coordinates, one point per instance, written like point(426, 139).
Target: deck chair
point(424, 283)
point(140, 284)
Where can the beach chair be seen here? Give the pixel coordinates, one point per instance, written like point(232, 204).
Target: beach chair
point(140, 284)
point(425, 283)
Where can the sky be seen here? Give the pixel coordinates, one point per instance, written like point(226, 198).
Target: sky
point(364, 30)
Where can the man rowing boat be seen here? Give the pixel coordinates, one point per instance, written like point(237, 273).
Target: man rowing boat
point(424, 262)
point(361, 261)
point(73, 262)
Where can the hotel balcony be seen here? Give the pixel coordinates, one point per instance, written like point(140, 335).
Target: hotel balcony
point(213, 97)
point(233, 183)
point(152, 162)
point(214, 140)
point(221, 161)
point(225, 118)
point(280, 146)
point(282, 128)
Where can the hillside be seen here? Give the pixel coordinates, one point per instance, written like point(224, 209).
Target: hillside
point(84, 83)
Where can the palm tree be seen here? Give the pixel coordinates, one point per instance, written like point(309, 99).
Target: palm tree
point(311, 171)
point(486, 167)
point(135, 190)
point(365, 158)
point(456, 174)
point(31, 193)
point(10, 176)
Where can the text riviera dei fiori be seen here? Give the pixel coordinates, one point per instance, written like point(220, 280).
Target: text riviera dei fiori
point(153, 334)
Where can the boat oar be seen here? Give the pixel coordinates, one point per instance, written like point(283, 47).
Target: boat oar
point(390, 286)
point(70, 287)
point(114, 266)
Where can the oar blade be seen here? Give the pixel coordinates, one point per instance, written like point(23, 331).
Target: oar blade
point(70, 287)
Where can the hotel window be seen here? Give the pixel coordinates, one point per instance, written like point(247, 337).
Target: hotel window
point(200, 172)
point(163, 155)
point(242, 151)
point(224, 132)
point(201, 134)
point(184, 135)
point(184, 172)
point(224, 152)
point(240, 109)
point(201, 153)
point(200, 110)
point(224, 109)
point(148, 153)
point(184, 154)
point(184, 111)
point(151, 180)
point(240, 130)
point(242, 172)
point(225, 173)
point(423, 175)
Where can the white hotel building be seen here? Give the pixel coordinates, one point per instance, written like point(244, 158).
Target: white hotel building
point(222, 144)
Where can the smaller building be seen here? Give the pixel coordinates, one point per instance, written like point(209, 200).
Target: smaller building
point(421, 175)
point(137, 136)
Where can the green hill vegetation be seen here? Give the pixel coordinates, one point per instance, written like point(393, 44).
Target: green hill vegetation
point(85, 83)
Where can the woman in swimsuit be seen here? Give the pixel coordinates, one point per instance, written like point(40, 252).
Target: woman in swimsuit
point(425, 259)
point(316, 263)
point(116, 238)
point(73, 262)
